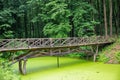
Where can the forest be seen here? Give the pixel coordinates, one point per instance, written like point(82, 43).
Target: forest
point(58, 18)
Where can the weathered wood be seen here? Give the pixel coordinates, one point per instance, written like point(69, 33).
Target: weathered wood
point(58, 59)
point(24, 67)
point(96, 53)
point(39, 43)
point(50, 47)
point(20, 66)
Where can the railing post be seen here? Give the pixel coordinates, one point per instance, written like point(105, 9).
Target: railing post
point(28, 43)
point(51, 52)
point(69, 41)
point(58, 60)
point(20, 66)
point(51, 45)
point(14, 43)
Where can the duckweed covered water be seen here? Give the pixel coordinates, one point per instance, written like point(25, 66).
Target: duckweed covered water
point(45, 68)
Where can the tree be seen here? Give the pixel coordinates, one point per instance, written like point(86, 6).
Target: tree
point(105, 18)
point(110, 22)
point(56, 16)
point(6, 21)
point(6, 72)
point(83, 22)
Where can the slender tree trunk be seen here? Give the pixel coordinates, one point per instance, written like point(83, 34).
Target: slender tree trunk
point(105, 18)
point(110, 22)
point(100, 17)
point(25, 24)
point(72, 33)
point(118, 13)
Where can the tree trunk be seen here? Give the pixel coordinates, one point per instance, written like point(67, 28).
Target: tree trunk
point(105, 19)
point(118, 13)
point(25, 24)
point(110, 22)
point(72, 32)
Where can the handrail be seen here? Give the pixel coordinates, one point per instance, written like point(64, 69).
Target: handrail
point(31, 43)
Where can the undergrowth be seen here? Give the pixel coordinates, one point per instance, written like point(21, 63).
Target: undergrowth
point(6, 72)
point(110, 52)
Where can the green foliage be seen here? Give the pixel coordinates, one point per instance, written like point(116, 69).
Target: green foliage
point(10, 55)
point(6, 20)
point(111, 53)
point(117, 55)
point(57, 19)
point(8, 34)
point(104, 58)
point(79, 54)
point(76, 55)
point(57, 31)
point(103, 54)
point(7, 73)
point(41, 18)
point(83, 22)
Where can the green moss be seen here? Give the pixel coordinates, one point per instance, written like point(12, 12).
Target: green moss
point(45, 68)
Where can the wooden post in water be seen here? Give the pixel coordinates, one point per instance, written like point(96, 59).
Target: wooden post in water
point(24, 66)
point(58, 60)
point(20, 66)
point(96, 53)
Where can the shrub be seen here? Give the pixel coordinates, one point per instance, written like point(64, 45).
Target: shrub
point(10, 55)
point(104, 58)
point(117, 55)
point(78, 55)
point(6, 72)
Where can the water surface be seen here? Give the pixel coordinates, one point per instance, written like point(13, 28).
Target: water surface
point(45, 68)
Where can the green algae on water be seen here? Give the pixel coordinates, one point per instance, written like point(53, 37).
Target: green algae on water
point(45, 68)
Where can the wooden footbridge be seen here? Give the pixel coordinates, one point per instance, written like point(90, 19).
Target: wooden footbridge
point(35, 47)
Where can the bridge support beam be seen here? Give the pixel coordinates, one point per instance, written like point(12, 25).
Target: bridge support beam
point(58, 58)
point(58, 61)
point(96, 53)
point(22, 66)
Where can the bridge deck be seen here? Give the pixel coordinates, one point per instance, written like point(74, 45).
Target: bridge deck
point(46, 43)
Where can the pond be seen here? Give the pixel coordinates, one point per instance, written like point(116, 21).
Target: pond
point(45, 68)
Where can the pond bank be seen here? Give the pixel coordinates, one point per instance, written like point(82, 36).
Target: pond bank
point(45, 68)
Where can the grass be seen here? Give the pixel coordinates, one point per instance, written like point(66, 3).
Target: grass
point(111, 53)
point(45, 68)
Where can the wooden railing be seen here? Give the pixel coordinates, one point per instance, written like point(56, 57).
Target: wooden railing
point(35, 43)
